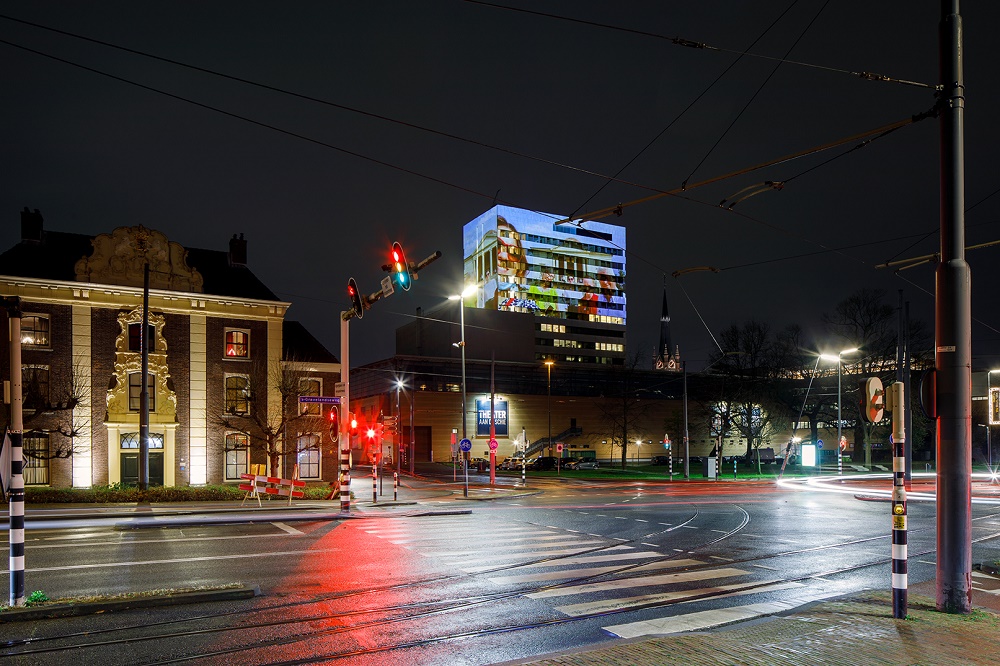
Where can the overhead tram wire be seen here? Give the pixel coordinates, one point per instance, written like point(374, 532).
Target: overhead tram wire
point(756, 92)
point(680, 41)
point(680, 115)
point(317, 100)
point(619, 208)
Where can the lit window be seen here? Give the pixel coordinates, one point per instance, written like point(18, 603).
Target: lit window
point(36, 459)
point(310, 387)
point(130, 440)
point(308, 456)
point(35, 331)
point(135, 390)
point(237, 449)
point(237, 343)
point(237, 394)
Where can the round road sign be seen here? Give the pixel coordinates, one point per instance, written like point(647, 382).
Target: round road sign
point(559, 447)
point(465, 445)
point(494, 444)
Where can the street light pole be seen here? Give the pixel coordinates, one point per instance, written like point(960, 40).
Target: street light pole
point(840, 421)
point(466, 292)
point(548, 401)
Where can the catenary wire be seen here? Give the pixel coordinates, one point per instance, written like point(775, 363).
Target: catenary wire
point(680, 41)
point(680, 115)
point(753, 97)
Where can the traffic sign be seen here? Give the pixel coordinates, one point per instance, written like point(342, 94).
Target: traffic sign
point(465, 445)
point(494, 444)
point(819, 443)
point(322, 399)
point(559, 447)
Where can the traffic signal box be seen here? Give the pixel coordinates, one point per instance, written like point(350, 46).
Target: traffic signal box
point(357, 302)
point(400, 267)
point(333, 420)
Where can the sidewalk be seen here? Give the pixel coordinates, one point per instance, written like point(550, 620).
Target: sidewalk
point(855, 630)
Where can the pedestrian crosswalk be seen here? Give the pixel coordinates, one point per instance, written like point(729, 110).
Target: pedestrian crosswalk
point(580, 574)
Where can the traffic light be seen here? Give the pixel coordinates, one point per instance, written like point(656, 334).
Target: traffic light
point(400, 267)
point(357, 302)
point(333, 418)
point(354, 424)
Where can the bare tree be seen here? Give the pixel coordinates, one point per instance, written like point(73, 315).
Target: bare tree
point(48, 404)
point(244, 408)
point(621, 407)
point(751, 369)
point(865, 320)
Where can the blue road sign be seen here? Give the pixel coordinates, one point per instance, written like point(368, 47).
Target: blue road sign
point(465, 445)
point(322, 399)
point(819, 443)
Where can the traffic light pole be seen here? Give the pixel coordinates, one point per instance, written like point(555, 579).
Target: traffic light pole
point(345, 422)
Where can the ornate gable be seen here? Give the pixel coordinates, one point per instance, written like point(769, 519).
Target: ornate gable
point(119, 257)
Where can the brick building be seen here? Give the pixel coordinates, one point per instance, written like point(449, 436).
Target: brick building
point(225, 366)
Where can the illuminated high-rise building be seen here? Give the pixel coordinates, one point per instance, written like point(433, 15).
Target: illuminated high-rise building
point(571, 276)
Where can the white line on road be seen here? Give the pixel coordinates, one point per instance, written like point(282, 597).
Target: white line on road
point(178, 560)
point(641, 581)
point(287, 528)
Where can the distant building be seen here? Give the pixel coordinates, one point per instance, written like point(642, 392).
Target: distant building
point(217, 335)
point(665, 358)
point(570, 277)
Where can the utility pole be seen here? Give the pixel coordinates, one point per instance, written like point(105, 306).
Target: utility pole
point(16, 499)
point(953, 337)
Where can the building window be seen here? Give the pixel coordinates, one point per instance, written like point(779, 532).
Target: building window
point(130, 440)
point(36, 459)
point(237, 343)
point(35, 386)
point(135, 337)
point(237, 455)
point(237, 394)
point(135, 389)
point(308, 456)
point(310, 387)
point(35, 331)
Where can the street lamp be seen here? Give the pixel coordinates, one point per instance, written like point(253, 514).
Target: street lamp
point(638, 443)
point(840, 422)
point(548, 400)
point(469, 290)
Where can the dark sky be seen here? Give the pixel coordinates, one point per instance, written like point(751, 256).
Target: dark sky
point(320, 191)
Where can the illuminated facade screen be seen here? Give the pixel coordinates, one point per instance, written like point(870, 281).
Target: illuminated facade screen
point(525, 261)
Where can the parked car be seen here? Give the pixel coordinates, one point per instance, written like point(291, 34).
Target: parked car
point(511, 464)
point(660, 460)
point(569, 463)
point(543, 463)
point(587, 464)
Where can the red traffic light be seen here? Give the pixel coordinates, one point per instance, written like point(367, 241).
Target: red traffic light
point(353, 422)
point(400, 267)
point(333, 418)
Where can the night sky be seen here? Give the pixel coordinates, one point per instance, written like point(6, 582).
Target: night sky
point(529, 110)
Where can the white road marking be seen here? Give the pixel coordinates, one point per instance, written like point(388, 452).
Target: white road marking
point(761, 566)
point(700, 620)
point(579, 573)
point(662, 579)
point(628, 602)
point(36, 546)
point(287, 528)
point(207, 558)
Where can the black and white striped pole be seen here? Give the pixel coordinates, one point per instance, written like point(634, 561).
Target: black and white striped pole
point(16, 512)
point(895, 403)
point(395, 486)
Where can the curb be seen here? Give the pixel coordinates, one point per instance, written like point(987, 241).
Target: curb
point(110, 605)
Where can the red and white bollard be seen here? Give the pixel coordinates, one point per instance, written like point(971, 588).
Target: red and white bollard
point(395, 486)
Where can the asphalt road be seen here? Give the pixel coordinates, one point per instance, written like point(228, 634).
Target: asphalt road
point(580, 563)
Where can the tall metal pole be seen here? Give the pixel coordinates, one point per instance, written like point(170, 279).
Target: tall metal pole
point(687, 448)
point(16, 506)
point(465, 462)
point(953, 337)
point(344, 480)
point(144, 391)
point(399, 431)
point(548, 403)
point(840, 421)
point(413, 448)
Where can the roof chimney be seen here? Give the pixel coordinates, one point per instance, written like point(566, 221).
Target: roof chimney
point(237, 251)
point(31, 226)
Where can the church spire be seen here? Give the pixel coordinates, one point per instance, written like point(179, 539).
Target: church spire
point(666, 358)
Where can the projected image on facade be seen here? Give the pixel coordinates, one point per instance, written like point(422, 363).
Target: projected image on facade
point(526, 262)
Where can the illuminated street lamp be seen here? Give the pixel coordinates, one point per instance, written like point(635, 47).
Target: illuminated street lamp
point(840, 422)
point(548, 401)
point(469, 290)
